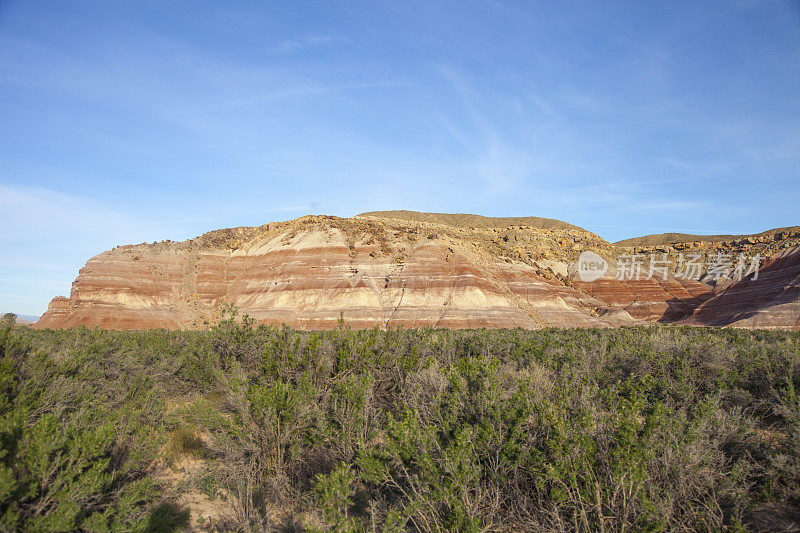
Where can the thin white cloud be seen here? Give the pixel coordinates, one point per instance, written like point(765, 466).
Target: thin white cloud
point(197, 89)
point(306, 41)
point(47, 235)
point(36, 209)
point(544, 106)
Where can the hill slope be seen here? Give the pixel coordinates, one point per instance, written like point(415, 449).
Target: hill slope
point(461, 220)
point(397, 268)
point(668, 238)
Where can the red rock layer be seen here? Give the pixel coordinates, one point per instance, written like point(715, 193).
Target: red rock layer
point(771, 301)
point(57, 313)
point(653, 299)
point(308, 273)
point(309, 281)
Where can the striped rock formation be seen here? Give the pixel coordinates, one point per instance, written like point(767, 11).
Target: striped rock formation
point(395, 269)
point(771, 301)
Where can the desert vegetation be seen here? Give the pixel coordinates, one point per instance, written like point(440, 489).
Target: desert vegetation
point(632, 429)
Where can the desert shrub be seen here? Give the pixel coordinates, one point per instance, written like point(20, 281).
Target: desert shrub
point(657, 428)
point(65, 462)
point(334, 491)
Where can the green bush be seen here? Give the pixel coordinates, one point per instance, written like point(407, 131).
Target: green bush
point(631, 429)
point(65, 466)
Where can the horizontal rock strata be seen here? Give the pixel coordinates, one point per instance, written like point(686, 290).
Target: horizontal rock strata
point(402, 269)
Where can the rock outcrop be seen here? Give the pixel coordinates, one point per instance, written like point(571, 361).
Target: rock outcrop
point(399, 269)
point(771, 301)
point(651, 300)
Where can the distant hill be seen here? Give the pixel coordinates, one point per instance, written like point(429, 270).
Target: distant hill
point(461, 220)
point(24, 319)
point(668, 238)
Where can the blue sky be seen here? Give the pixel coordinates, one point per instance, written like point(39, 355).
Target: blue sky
point(125, 122)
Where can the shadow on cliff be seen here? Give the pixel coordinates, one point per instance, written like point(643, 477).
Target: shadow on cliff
point(778, 283)
point(682, 308)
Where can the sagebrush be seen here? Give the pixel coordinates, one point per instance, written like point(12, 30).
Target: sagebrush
point(639, 429)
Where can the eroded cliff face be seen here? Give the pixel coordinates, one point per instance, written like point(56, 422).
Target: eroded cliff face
point(379, 269)
point(772, 301)
point(769, 299)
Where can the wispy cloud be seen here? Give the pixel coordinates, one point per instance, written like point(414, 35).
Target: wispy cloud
point(198, 89)
point(33, 211)
point(47, 235)
point(303, 42)
point(502, 164)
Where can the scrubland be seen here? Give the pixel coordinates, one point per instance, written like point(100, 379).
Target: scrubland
point(268, 428)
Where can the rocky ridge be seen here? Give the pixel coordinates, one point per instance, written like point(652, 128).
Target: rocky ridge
point(410, 269)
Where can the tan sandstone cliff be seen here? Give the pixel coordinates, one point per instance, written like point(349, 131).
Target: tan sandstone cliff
point(408, 269)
